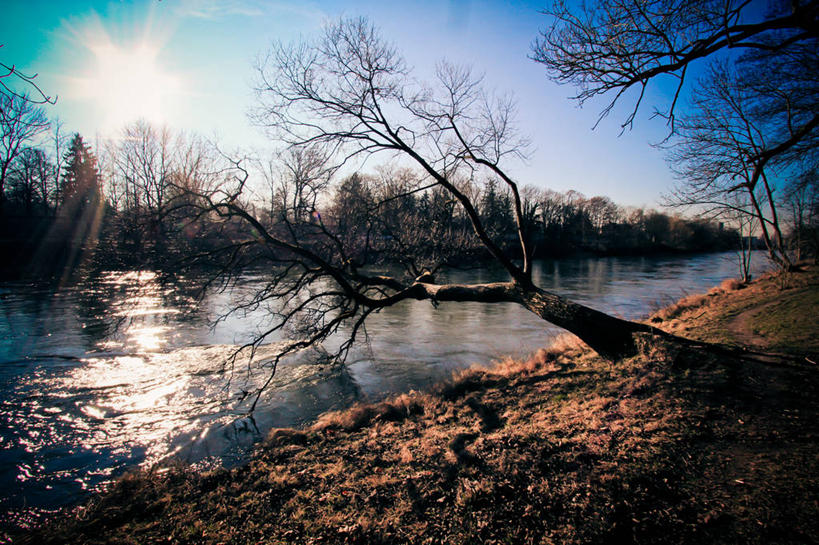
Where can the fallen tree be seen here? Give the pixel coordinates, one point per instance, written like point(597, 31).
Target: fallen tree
point(349, 97)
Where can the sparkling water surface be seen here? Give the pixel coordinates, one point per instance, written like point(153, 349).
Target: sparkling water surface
point(120, 371)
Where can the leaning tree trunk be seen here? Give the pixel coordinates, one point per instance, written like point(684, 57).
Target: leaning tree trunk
point(610, 337)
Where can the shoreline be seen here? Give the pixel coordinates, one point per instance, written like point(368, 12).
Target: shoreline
point(23, 269)
point(562, 447)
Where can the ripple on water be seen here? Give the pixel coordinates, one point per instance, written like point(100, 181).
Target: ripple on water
point(124, 371)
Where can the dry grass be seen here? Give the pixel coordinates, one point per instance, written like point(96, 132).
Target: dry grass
point(731, 284)
point(677, 309)
point(685, 306)
point(354, 418)
point(560, 448)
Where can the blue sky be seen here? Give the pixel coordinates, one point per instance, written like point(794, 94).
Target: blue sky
point(189, 64)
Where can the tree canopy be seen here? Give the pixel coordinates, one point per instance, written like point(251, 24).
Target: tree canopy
point(740, 135)
point(610, 48)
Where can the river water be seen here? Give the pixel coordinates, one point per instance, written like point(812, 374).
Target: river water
point(119, 370)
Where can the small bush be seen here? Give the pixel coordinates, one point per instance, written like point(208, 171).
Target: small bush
point(732, 284)
point(359, 416)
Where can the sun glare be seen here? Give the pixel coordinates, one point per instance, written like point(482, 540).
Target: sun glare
point(128, 83)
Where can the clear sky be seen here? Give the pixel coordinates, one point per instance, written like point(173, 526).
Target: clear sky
point(189, 64)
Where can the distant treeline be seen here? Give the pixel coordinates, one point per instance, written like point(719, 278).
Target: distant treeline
point(569, 222)
point(127, 209)
point(56, 219)
point(559, 224)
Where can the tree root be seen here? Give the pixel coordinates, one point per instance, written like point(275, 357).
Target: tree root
point(687, 353)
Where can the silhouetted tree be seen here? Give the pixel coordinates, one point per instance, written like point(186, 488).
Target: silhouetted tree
point(151, 171)
point(495, 208)
point(144, 165)
point(305, 174)
point(16, 84)
point(724, 147)
point(81, 187)
point(610, 48)
point(743, 125)
point(20, 122)
point(351, 92)
point(802, 201)
point(33, 181)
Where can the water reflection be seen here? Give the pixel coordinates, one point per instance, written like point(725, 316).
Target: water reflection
point(124, 370)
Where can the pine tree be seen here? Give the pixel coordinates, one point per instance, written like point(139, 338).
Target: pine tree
point(81, 183)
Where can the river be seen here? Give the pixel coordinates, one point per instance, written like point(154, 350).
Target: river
point(119, 371)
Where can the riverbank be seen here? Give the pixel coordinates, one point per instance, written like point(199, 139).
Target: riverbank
point(562, 448)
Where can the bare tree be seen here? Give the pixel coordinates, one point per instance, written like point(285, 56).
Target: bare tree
point(733, 144)
point(351, 93)
point(151, 167)
point(306, 173)
point(267, 169)
point(20, 122)
point(611, 48)
point(59, 142)
point(11, 78)
point(144, 162)
point(743, 128)
point(601, 211)
point(194, 164)
point(32, 180)
point(802, 202)
point(151, 172)
point(737, 214)
point(423, 227)
point(551, 208)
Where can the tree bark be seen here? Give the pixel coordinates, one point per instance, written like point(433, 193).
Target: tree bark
point(612, 338)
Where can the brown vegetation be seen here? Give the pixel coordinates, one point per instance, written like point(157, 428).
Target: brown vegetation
point(562, 448)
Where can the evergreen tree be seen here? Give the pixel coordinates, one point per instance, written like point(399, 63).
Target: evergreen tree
point(81, 183)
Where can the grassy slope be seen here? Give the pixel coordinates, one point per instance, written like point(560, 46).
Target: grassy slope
point(563, 448)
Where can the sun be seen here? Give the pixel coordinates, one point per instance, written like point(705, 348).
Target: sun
point(127, 83)
point(130, 83)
